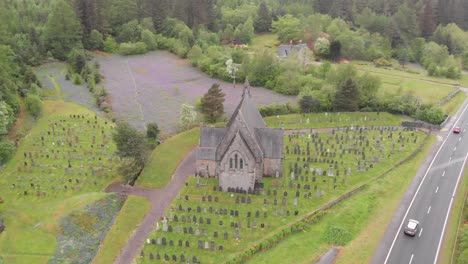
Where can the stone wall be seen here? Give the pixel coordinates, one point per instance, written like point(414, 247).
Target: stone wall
point(201, 167)
point(271, 166)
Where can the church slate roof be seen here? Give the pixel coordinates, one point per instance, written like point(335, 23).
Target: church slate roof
point(210, 137)
point(215, 140)
point(271, 141)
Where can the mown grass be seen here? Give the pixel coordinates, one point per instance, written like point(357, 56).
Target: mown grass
point(362, 215)
point(31, 221)
point(457, 226)
point(452, 106)
point(404, 74)
point(329, 120)
point(265, 41)
point(166, 157)
point(130, 217)
point(464, 80)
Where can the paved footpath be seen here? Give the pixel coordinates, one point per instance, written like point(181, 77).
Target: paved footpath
point(160, 200)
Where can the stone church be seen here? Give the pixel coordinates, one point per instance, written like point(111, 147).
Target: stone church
point(240, 154)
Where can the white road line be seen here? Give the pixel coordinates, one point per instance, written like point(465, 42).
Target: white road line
point(459, 139)
point(455, 149)
point(443, 174)
point(411, 259)
point(419, 187)
point(449, 208)
point(437, 189)
point(420, 233)
point(428, 210)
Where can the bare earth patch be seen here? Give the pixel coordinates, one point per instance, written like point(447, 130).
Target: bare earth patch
point(152, 87)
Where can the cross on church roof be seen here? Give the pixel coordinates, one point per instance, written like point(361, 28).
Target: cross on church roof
point(247, 87)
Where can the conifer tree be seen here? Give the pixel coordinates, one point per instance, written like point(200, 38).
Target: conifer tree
point(263, 20)
point(347, 97)
point(62, 31)
point(428, 23)
point(212, 103)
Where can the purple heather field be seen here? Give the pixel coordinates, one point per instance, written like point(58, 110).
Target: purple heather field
point(151, 88)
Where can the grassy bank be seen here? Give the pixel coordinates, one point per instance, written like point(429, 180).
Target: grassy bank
point(130, 216)
point(166, 157)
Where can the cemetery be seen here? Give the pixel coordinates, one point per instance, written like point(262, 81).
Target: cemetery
point(61, 166)
point(206, 224)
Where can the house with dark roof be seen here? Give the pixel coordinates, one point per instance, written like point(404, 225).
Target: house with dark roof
point(285, 49)
point(244, 151)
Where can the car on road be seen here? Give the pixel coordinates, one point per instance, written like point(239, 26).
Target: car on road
point(456, 130)
point(412, 227)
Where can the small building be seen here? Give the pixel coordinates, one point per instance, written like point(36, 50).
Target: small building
point(285, 49)
point(240, 154)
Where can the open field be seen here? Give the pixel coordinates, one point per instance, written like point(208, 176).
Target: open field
point(265, 41)
point(62, 165)
point(203, 217)
point(152, 88)
point(132, 213)
point(329, 120)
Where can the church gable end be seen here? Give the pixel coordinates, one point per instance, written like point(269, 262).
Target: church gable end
point(240, 154)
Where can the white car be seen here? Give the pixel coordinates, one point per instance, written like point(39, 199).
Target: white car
point(412, 227)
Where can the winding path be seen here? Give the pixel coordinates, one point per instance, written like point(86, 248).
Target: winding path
point(160, 200)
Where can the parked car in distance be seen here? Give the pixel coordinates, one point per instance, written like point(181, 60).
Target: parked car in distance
point(412, 227)
point(456, 130)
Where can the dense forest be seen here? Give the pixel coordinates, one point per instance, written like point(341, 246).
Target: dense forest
point(210, 32)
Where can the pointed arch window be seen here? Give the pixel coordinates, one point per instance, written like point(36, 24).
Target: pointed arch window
point(230, 163)
point(235, 161)
point(241, 163)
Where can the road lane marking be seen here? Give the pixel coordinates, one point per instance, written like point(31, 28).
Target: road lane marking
point(448, 211)
point(419, 187)
point(437, 189)
point(420, 233)
point(459, 139)
point(450, 159)
point(454, 149)
point(443, 174)
point(428, 210)
point(411, 259)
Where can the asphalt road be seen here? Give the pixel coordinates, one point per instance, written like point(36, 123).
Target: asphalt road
point(430, 204)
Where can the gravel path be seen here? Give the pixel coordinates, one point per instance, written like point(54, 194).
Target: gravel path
point(160, 199)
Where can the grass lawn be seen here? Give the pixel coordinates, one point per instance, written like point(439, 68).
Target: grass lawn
point(321, 120)
point(452, 106)
point(166, 157)
point(366, 66)
point(265, 41)
point(284, 200)
point(130, 216)
point(464, 80)
point(362, 215)
point(427, 91)
point(457, 225)
point(37, 191)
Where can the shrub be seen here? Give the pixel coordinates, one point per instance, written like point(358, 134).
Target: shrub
point(382, 62)
point(34, 105)
point(277, 109)
point(95, 40)
point(6, 150)
point(110, 45)
point(77, 79)
point(337, 235)
point(129, 48)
